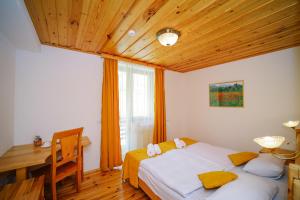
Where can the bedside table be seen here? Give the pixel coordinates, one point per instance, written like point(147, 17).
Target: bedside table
point(294, 182)
point(279, 151)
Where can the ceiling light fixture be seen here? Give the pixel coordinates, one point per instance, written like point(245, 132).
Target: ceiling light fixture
point(167, 36)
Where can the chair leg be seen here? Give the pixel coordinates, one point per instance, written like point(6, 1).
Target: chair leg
point(53, 187)
point(78, 173)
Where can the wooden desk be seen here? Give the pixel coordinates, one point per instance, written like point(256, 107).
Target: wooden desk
point(22, 156)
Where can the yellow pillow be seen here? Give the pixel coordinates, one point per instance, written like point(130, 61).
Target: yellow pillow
point(242, 157)
point(216, 179)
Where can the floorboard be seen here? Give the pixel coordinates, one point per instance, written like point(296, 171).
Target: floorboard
point(100, 185)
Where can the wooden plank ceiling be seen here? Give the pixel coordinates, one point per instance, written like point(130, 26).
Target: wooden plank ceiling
point(212, 31)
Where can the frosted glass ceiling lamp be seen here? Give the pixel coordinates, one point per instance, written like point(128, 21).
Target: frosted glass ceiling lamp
point(167, 36)
point(273, 142)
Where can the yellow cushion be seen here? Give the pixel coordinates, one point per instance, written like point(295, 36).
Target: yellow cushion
point(242, 157)
point(216, 179)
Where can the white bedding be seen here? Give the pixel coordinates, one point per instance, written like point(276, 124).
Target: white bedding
point(186, 164)
point(165, 193)
point(180, 181)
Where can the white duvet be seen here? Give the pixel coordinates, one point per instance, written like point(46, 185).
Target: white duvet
point(178, 169)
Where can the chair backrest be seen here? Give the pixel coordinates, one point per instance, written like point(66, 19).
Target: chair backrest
point(69, 146)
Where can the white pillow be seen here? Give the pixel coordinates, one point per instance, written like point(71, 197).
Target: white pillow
point(246, 187)
point(265, 165)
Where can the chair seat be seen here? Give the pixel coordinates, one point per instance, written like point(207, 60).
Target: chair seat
point(62, 171)
point(65, 170)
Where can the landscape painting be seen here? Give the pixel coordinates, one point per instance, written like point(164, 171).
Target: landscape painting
point(227, 94)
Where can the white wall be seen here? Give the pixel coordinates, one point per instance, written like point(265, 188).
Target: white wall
point(271, 96)
point(7, 84)
point(175, 90)
point(58, 89)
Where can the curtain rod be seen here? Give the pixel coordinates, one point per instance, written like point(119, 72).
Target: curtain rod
point(105, 55)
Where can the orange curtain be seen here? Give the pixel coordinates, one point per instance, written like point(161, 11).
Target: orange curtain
point(159, 131)
point(110, 136)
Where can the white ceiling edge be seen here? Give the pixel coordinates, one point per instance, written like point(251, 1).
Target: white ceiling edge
point(16, 25)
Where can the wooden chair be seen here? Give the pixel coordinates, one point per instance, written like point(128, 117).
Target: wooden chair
point(70, 159)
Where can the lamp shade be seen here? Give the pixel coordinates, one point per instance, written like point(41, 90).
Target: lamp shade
point(270, 142)
point(167, 36)
point(291, 124)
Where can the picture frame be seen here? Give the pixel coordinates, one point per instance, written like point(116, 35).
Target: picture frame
point(227, 94)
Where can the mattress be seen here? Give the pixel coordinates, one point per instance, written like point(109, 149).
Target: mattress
point(166, 192)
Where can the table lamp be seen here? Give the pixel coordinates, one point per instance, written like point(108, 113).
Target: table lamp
point(273, 142)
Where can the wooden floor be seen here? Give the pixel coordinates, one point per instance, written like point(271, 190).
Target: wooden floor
point(100, 185)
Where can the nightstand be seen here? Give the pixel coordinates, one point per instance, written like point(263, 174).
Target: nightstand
point(294, 182)
point(279, 151)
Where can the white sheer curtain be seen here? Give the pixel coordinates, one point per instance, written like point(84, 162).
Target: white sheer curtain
point(136, 101)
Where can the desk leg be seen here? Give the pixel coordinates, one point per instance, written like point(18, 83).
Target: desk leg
point(21, 174)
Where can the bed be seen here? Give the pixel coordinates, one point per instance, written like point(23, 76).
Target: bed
point(173, 174)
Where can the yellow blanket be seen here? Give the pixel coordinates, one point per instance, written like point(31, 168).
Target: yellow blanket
point(133, 158)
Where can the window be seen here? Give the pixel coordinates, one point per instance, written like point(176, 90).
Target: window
point(136, 102)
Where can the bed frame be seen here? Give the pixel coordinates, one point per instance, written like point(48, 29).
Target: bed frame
point(147, 190)
point(293, 178)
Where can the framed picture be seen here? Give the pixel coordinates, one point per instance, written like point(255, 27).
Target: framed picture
point(226, 94)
